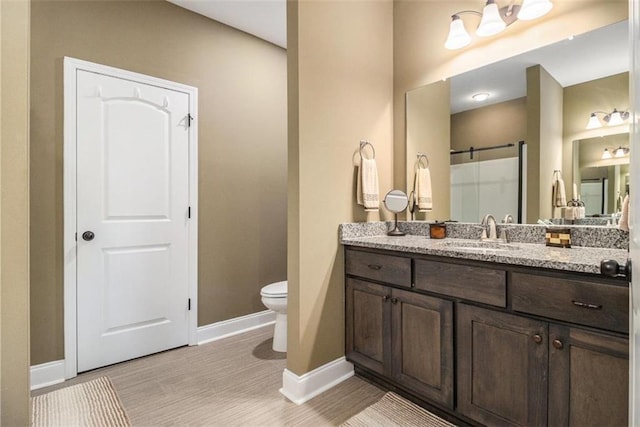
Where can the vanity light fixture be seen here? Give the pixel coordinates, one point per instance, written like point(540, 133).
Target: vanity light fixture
point(621, 151)
point(613, 118)
point(618, 152)
point(494, 20)
point(479, 97)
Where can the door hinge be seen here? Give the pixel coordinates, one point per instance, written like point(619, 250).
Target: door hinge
point(189, 212)
point(189, 304)
point(190, 118)
point(76, 237)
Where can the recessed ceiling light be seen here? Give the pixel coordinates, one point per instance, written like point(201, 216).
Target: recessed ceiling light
point(479, 97)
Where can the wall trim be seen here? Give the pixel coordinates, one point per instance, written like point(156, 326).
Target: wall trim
point(47, 374)
point(300, 389)
point(237, 325)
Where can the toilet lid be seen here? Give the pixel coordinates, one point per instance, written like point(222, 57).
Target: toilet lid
point(278, 289)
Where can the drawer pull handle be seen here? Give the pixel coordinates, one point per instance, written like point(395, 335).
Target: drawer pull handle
point(587, 305)
point(537, 338)
point(375, 266)
point(558, 344)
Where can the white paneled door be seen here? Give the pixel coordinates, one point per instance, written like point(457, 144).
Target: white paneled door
point(132, 169)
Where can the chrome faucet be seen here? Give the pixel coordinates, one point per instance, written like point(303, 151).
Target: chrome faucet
point(489, 222)
point(508, 219)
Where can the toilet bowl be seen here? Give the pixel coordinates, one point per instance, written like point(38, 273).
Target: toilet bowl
point(274, 297)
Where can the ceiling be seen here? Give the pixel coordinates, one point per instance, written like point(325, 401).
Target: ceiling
point(265, 19)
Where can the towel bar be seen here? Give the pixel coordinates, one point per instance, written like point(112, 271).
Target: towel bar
point(363, 145)
point(422, 156)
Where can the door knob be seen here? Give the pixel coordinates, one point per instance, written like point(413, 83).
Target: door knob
point(610, 267)
point(88, 235)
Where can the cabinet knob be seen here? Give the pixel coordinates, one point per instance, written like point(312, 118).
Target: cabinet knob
point(385, 298)
point(537, 338)
point(374, 266)
point(394, 300)
point(558, 344)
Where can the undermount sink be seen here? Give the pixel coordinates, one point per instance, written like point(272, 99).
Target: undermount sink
point(479, 246)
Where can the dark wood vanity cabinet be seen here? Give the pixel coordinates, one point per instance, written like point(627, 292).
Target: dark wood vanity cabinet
point(588, 378)
point(531, 348)
point(402, 335)
point(502, 367)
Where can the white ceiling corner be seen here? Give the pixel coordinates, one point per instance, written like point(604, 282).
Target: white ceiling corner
point(265, 19)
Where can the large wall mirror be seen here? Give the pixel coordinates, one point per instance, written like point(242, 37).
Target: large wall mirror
point(497, 154)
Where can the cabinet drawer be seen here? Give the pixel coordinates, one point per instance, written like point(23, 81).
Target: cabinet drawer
point(484, 285)
point(384, 268)
point(572, 300)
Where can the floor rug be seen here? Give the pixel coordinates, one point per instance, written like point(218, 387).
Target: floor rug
point(393, 410)
point(91, 404)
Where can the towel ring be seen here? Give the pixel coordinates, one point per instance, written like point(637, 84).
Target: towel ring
point(422, 157)
point(363, 145)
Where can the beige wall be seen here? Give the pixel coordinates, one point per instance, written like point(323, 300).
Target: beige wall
point(14, 213)
point(242, 145)
point(420, 58)
point(341, 89)
point(546, 115)
point(580, 101)
point(428, 114)
point(497, 124)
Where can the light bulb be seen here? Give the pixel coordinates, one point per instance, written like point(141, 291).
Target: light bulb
point(532, 9)
point(491, 22)
point(594, 123)
point(615, 118)
point(458, 35)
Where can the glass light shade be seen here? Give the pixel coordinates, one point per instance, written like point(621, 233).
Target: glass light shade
point(619, 152)
point(532, 9)
point(606, 154)
point(615, 118)
point(458, 35)
point(594, 123)
point(491, 22)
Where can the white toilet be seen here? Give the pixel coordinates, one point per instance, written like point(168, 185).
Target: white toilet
point(274, 297)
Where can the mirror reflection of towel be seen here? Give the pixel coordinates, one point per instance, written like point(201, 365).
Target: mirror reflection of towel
point(423, 190)
point(367, 193)
point(624, 218)
point(559, 195)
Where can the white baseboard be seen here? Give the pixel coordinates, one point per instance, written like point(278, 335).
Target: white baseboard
point(237, 325)
point(299, 389)
point(47, 374)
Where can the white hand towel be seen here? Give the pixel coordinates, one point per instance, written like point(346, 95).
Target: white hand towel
point(423, 190)
point(559, 195)
point(367, 193)
point(624, 218)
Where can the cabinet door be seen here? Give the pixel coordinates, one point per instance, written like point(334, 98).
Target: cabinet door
point(422, 345)
point(502, 367)
point(368, 325)
point(589, 378)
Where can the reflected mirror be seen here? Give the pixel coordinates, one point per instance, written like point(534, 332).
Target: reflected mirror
point(490, 171)
point(601, 177)
point(396, 201)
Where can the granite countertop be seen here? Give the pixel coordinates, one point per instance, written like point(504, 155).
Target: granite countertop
point(578, 259)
